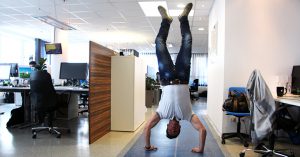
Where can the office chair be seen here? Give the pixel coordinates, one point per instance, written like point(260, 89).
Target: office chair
point(83, 106)
point(263, 117)
point(43, 98)
point(194, 89)
point(242, 136)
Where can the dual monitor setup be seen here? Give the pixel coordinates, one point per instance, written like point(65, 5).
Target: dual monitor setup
point(72, 72)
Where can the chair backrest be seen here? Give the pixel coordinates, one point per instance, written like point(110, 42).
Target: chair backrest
point(237, 90)
point(42, 92)
point(195, 85)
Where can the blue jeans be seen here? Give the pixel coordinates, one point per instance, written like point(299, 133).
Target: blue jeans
point(181, 70)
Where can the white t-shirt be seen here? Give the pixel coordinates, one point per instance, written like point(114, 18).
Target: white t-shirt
point(175, 102)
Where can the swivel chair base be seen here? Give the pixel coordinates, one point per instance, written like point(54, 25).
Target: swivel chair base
point(51, 130)
point(262, 149)
point(82, 111)
point(243, 137)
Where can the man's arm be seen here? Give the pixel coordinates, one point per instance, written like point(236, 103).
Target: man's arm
point(202, 134)
point(150, 124)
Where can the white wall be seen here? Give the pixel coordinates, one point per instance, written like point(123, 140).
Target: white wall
point(72, 52)
point(60, 37)
point(261, 35)
point(215, 77)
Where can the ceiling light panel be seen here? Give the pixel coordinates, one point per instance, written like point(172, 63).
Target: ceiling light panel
point(178, 12)
point(54, 22)
point(150, 8)
point(181, 6)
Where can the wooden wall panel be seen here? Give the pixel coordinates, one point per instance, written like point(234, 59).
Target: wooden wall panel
point(100, 90)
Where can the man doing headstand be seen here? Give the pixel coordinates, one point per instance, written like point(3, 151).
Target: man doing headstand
point(175, 103)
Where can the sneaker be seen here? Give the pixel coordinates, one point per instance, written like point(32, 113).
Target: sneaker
point(164, 14)
point(186, 10)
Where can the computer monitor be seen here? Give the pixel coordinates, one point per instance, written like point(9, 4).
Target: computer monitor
point(25, 71)
point(14, 70)
point(71, 71)
point(296, 80)
point(4, 71)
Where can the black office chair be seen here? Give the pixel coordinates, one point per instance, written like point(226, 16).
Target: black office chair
point(194, 89)
point(83, 106)
point(43, 98)
point(263, 108)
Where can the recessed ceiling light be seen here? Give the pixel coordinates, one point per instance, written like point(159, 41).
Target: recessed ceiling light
point(180, 5)
point(170, 45)
point(201, 29)
point(150, 8)
point(202, 5)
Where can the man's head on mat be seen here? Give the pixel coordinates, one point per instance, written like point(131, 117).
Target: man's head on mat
point(173, 128)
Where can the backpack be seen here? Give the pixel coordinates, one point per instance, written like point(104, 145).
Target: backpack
point(236, 102)
point(17, 117)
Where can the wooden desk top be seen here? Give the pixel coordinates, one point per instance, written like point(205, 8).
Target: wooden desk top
point(57, 88)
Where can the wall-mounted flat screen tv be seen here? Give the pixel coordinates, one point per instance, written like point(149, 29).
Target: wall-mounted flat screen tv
point(53, 48)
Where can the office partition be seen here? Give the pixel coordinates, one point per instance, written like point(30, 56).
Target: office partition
point(100, 91)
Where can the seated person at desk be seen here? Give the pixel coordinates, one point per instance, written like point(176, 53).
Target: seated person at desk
point(32, 63)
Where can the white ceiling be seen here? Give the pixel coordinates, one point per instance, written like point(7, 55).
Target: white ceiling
point(116, 24)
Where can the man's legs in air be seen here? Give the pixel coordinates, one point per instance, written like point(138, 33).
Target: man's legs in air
point(183, 61)
point(165, 64)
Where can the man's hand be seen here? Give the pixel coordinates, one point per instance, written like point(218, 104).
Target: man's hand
point(150, 124)
point(197, 150)
point(202, 134)
point(150, 148)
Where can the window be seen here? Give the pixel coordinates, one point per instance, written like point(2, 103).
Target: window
point(16, 49)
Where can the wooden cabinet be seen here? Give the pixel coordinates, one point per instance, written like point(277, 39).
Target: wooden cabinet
point(127, 93)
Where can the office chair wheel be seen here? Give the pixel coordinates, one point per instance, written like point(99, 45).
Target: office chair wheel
point(58, 136)
point(223, 141)
point(34, 134)
point(242, 154)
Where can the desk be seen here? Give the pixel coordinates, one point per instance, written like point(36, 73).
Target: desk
point(25, 99)
point(70, 111)
point(289, 99)
point(29, 114)
point(57, 89)
point(63, 89)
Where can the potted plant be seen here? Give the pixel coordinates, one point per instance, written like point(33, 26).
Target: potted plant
point(150, 82)
point(41, 66)
point(40, 70)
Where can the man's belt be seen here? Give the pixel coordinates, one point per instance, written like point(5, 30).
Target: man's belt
point(172, 82)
